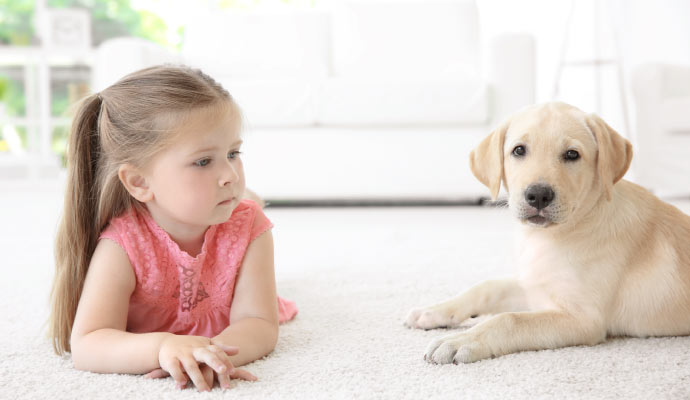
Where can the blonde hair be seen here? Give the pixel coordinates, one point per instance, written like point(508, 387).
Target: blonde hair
point(125, 123)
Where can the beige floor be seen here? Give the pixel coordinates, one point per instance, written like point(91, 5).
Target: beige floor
point(354, 273)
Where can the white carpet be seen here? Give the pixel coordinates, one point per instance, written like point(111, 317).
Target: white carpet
point(354, 274)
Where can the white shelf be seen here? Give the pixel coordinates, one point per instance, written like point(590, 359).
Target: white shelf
point(23, 55)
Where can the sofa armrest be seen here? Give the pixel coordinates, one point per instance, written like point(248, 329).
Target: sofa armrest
point(511, 74)
point(646, 83)
point(661, 137)
point(655, 82)
point(662, 95)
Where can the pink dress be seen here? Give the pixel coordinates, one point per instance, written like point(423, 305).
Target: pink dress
point(181, 294)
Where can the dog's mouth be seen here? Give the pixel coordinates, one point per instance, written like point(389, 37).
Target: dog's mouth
point(538, 220)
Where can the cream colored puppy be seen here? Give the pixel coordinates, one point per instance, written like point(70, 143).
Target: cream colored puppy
point(599, 255)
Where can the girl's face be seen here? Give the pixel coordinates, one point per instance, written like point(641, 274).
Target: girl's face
point(199, 180)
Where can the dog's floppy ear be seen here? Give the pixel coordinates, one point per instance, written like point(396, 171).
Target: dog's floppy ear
point(615, 153)
point(486, 161)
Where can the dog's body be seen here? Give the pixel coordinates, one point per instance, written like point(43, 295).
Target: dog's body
point(599, 256)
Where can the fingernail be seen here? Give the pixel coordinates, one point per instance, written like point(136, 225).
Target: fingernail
point(180, 386)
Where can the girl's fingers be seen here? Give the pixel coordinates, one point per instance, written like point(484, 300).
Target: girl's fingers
point(206, 355)
point(208, 374)
point(192, 369)
point(242, 374)
point(224, 381)
point(157, 373)
point(223, 357)
point(175, 370)
point(229, 350)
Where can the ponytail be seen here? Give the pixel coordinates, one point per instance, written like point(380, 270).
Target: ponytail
point(79, 228)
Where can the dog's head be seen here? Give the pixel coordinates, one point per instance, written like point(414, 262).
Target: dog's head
point(553, 160)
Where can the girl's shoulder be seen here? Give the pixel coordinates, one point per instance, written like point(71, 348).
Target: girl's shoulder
point(128, 222)
point(131, 230)
point(247, 217)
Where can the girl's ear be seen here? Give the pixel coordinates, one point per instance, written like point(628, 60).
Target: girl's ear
point(486, 161)
point(135, 182)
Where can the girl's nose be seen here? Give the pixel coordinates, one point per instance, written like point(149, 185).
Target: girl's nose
point(229, 175)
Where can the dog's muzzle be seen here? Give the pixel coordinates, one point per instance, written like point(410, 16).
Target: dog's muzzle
point(537, 199)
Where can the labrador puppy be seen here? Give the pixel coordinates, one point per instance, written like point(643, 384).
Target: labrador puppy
point(599, 255)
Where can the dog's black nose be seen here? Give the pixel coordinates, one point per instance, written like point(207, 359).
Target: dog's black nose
point(539, 196)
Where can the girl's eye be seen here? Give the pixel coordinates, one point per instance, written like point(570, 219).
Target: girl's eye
point(203, 162)
point(571, 155)
point(234, 154)
point(519, 151)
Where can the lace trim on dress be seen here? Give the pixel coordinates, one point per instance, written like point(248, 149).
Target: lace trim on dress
point(171, 244)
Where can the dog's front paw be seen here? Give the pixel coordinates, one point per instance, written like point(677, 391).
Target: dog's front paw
point(459, 348)
point(428, 318)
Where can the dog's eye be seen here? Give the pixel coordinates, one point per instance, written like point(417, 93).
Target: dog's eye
point(519, 151)
point(571, 155)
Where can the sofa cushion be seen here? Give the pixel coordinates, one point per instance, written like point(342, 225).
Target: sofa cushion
point(259, 44)
point(363, 163)
point(353, 102)
point(274, 102)
point(437, 38)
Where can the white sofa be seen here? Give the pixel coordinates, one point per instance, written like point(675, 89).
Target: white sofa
point(366, 100)
point(662, 134)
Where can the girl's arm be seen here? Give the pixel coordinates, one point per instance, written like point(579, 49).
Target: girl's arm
point(254, 311)
point(99, 342)
point(99, 339)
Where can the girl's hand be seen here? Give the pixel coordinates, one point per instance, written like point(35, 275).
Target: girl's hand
point(208, 373)
point(180, 356)
point(224, 380)
point(210, 376)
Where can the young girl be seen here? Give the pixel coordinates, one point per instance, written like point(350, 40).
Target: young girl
point(162, 266)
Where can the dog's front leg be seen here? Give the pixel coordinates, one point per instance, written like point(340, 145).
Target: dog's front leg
point(489, 297)
point(516, 331)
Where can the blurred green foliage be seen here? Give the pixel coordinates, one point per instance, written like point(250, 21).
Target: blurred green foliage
point(16, 26)
point(12, 96)
point(4, 84)
point(112, 18)
point(109, 18)
point(59, 143)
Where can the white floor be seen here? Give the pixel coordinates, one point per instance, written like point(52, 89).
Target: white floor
point(354, 274)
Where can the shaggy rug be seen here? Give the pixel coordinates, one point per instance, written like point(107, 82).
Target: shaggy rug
point(354, 273)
